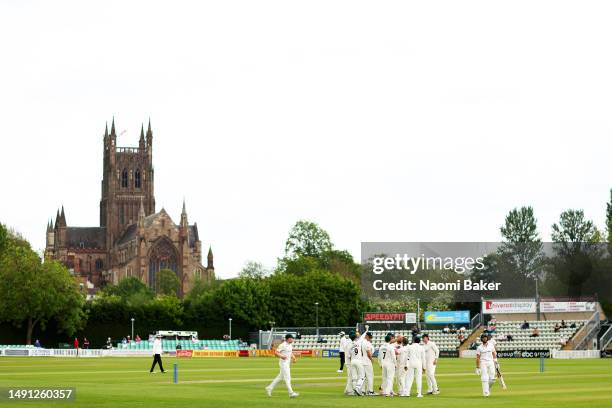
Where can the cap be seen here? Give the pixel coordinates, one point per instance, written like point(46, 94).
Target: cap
point(416, 339)
point(288, 336)
point(341, 333)
point(425, 335)
point(391, 334)
point(368, 334)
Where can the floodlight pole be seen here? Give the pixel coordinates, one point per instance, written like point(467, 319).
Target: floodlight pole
point(132, 319)
point(317, 313)
point(230, 327)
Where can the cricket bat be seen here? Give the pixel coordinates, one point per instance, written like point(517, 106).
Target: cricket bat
point(500, 376)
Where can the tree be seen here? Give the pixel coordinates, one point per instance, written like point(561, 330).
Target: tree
point(254, 270)
point(167, 283)
point(520, 256)
point(578, 249)
point(609, 223)
point(306, 238)
point(130, 288)
point(3, 238)
point(573, 230)
point(34, 293)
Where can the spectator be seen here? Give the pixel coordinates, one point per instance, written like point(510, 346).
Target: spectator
point(124, 342)
point(76, 345)
point(509, 337)
point(461, 337)
point(446, 329)
point(535, 332)
point(493, 320)
point(525, 325)
point(37, 343)
point(557, 328)
point(453, 329)
point(573, 325)
point(129, 340)
point(226, 337)
point(85, 343)
point(415, 330)
point(138, 339)
point(562, 340)
point(109, 344)
point(501, 337)
point(178, 346)
point(563, 325)
point(462, 329)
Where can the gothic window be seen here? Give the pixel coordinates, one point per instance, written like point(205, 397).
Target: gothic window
point(137, 180)
point(124, 178)
point(99, 264)
point(162, 255)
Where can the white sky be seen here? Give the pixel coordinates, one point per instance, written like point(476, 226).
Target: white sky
point(381, 121)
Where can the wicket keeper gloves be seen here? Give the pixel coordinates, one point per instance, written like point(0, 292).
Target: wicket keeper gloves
point(478, 371)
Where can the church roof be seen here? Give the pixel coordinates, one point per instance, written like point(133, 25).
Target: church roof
point(129, 234)
point(86, 237)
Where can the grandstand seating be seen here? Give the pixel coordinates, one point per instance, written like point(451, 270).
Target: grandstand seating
point(522, 340)
point(445, 341)
point(170, 345)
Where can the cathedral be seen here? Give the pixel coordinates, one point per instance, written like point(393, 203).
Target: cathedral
point(132, 239)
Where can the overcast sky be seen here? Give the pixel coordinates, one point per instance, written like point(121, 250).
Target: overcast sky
point(381, 121)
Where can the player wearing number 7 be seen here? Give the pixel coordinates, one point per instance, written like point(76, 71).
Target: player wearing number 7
point(485, 364)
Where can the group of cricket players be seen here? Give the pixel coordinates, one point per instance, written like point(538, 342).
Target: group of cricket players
point(402, 363)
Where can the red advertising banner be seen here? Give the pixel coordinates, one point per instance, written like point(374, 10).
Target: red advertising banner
point(184, 353)
point(381, 317)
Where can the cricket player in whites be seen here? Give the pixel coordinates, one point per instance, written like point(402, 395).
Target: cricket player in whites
point(399, 373)
point(416, 365)
point(432, 353)
point(284, 352)
point(343, 346)
point(485, 364)
point(387, 361)
point(367, 363)
point(358, 357)
point(348, 345)
point(402, 367)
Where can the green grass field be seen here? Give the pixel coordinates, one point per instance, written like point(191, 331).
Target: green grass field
point(218, 382)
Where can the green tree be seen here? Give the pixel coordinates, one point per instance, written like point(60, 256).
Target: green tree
point(130, 289)
point(520, 256)
point(609, 223)
point(3, 238)
point(306, 238)
point(167, 283)
point(33, 293)
point(578, 253)
point(253, 269)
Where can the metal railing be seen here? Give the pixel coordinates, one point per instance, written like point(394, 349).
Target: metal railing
point(591, 328)
point(475, 321)
point(605, 339)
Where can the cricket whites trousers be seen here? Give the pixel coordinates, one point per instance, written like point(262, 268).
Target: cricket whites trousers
point(284, 374)
point(487, 376)
point(388, 376)
point(415, 373)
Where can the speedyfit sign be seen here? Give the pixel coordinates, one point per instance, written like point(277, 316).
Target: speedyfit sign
point(523, 353)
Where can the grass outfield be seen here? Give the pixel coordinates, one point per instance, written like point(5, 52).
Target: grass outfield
point(217, 382)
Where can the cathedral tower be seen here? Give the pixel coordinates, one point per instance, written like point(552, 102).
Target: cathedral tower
point(127, 180)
